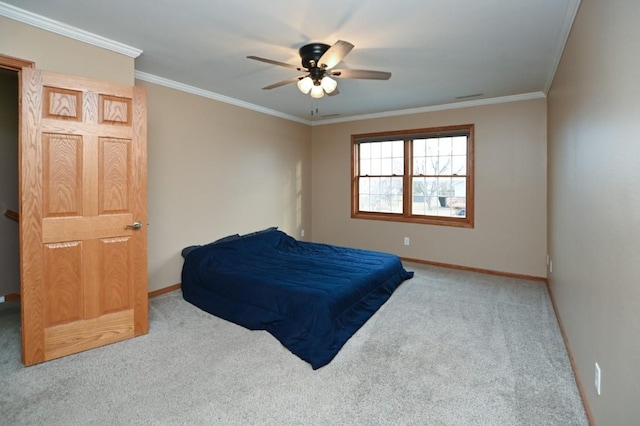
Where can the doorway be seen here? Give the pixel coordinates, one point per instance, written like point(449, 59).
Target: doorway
point(9, 228)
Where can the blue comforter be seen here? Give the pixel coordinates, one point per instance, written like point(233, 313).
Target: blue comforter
point(311, 297)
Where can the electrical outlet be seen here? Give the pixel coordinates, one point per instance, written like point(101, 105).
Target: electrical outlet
point(302, 233)
point(597, 379)
point(406, 241)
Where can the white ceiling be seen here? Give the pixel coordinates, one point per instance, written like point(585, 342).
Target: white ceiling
point(438, 51)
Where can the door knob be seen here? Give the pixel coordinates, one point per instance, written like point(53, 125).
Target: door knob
point(134, 225)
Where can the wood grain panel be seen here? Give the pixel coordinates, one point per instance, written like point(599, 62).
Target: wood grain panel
point(83, 84)
point(63, 289)
point(82, 335)
point(90, 175)
point(91, 275)
point(90, 108)
point(31, 271)
point(62, 164)
point(116, 289)
point(114, 175)
point(86, 228)
point(115, 110)
point(72, 128)
point(63, 104)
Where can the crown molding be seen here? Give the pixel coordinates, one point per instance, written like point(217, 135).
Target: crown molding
point(242, 104)
point(569, 17)
point(215, 96)
point(455, 105)
point(57, 27)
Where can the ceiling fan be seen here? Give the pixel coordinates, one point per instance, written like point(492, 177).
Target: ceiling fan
point(318, 60)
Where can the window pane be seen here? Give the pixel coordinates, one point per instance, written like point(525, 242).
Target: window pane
point(459, 165)
point(433, 166)
point(376, 149)
point(386, 149)
point(363, 184)
point(419, 148)
point(459, 186)
point(432, 146)
point(459, 145)
point(398, 149)
point(365, 150)
point(444, 165)
point(364, 203)
point(444, 147)
point(419, 166)
point(381, 158)
point(365, 167)
point(386, 166)
point(381, 194)
point(376, 166)
point(398, 166)
point(445, 188)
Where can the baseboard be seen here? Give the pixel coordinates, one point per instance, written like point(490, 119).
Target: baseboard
point(165, 290)
point(154, 293)
point(574, 367)
point(479, 270)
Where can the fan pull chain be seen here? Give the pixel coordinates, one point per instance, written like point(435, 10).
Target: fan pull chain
point(314, 107)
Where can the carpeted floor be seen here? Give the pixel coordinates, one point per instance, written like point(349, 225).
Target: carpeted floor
point(449, 348)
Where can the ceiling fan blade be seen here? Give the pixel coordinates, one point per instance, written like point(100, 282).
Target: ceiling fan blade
point(335, 54)
point(272, 62)
point(364, 74)
point(283, 83)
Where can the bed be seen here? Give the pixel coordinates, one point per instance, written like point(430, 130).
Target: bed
point(311, 297)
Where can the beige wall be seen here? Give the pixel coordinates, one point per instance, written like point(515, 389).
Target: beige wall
point(594, 207)
point(53, 52)
point(216, 169)
point(9, 240)
point(510, 188)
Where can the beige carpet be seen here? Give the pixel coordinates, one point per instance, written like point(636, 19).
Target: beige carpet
point(449, 348)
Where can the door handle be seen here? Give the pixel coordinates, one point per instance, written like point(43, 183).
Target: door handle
point(135, 225)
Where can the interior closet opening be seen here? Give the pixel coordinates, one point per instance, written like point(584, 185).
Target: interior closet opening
point(9, 194)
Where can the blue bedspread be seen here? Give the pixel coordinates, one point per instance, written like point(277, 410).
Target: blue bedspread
point(311, 297)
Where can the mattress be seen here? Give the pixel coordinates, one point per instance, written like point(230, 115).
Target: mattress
point(311, 297)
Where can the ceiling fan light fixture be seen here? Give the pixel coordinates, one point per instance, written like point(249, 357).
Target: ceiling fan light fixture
point(305, 85)
point(328, 84)
point(317, 92)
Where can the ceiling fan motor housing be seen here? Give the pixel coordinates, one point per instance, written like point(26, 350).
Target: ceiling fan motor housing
point(311, 54)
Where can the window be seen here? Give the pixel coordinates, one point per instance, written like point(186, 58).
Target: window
point(422, 176)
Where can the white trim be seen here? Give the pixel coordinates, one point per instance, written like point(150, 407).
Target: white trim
point(215, 96)
point(57, 27)
point(569, 17)
point(455, 105)
point(242, 104)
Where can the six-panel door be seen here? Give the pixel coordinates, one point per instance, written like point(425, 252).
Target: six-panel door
point(82, 181)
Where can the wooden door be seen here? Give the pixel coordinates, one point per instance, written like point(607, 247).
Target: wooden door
point(82, 185)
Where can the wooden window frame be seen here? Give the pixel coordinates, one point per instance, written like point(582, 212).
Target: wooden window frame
point(408, 135)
